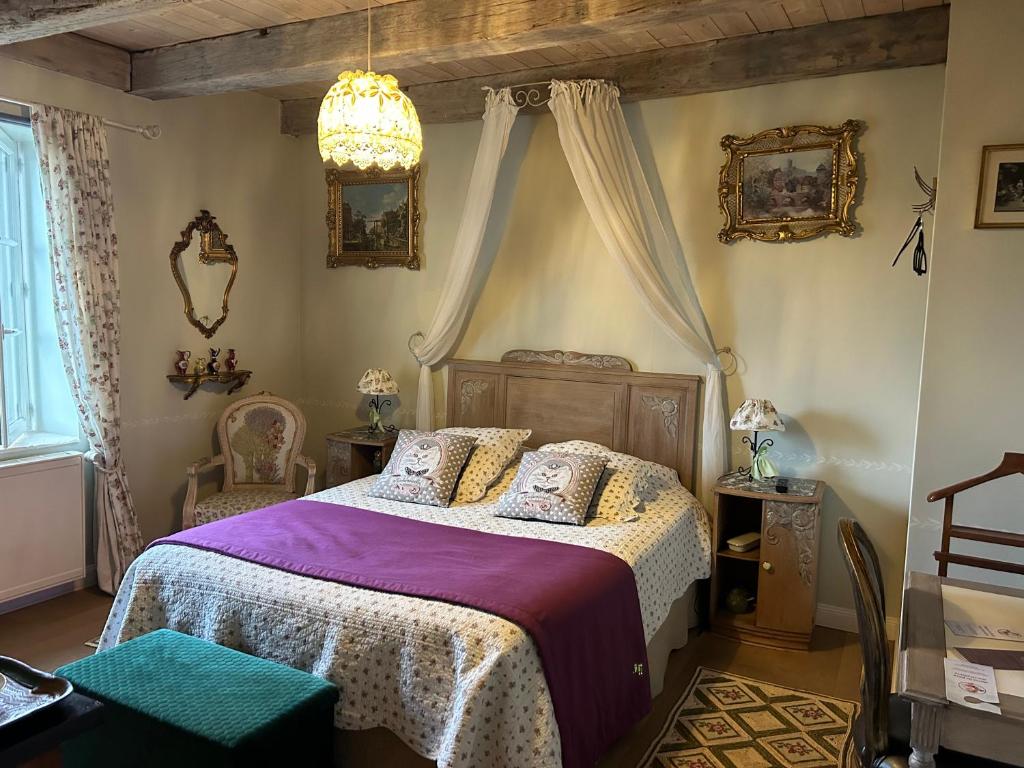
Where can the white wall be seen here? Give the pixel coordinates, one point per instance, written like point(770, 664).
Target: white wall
point(973, 371)
point(825, 328)
point(221, 153)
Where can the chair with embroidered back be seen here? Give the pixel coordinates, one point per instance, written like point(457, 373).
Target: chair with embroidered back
point(260, 439)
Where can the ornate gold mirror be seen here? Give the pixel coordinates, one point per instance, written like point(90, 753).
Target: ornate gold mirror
point(204, 269)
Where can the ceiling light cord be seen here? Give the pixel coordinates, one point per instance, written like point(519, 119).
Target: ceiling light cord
point(368, 30)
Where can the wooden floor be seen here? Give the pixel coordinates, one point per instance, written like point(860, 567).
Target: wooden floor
point(53, 633)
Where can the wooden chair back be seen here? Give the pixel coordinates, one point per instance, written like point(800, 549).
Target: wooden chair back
point(1012, 464)
point(869, 602)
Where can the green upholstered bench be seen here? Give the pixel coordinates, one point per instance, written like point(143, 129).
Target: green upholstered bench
point(177, 700)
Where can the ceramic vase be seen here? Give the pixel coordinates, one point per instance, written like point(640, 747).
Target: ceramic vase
point(214, 365)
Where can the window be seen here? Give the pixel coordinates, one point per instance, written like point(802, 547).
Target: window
point(36, 407)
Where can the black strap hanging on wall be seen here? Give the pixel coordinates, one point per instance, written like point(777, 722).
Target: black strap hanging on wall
point(920, 255)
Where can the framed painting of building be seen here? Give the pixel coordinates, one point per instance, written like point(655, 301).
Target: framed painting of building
point(373, 218)
point(789, 183)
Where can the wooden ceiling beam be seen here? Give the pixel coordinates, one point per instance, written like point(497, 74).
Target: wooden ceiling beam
point(405, 34)
point(77, 56)
point(908, 39)
point(32, 19)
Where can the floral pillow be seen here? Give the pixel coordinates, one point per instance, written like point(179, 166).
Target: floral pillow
point(623, 485)
point(423, 468)
point(494, 450)
point(555, 487)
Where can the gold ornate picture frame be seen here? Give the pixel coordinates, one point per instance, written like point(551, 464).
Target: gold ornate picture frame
point(790, 183)
point(373, 218)
point(214, 248)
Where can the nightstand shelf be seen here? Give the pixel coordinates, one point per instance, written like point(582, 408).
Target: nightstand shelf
point(356, 453)
point(753, 555)
point(781, 574)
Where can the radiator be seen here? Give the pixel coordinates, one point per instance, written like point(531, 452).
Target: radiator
point(42, 524)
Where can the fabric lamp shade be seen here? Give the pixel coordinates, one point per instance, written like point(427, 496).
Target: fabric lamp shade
point(757, 416)
point(365, 120)
point(377, 381)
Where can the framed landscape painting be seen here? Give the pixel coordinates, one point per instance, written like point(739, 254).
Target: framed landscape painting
point(1001, 187)
point(373, 218)
point(789, 183)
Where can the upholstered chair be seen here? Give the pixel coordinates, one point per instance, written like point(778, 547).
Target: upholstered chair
point(872, 731)
point(260, 439)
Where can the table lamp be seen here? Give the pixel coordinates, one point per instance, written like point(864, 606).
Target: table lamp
point(376, 382)
point(757, 416)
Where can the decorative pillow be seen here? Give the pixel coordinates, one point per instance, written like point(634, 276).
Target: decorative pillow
point(556, 487)
point(423, 468)
point(494, 450)
point(623, 485)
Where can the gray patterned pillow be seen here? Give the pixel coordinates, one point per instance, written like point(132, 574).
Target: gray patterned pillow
point(556, 487)
point(423, 468)
point(623, 485)
point(494, 450)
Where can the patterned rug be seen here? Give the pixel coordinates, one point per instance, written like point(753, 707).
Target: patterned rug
point(727, 721)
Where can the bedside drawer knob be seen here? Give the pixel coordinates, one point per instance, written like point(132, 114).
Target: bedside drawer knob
point(768, 566)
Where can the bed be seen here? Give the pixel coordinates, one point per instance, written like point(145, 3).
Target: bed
point(454, 683)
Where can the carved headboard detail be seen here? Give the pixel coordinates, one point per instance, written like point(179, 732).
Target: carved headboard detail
point(558, 357)
point(574, 396)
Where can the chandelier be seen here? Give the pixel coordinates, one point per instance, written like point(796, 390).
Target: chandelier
point(365, 120)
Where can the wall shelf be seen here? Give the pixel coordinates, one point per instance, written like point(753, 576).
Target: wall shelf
point(235, 379)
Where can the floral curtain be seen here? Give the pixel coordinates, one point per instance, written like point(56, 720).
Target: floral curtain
point(75, 177)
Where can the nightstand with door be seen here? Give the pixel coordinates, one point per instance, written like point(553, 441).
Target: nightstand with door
point(780, 576)
point(357, 453)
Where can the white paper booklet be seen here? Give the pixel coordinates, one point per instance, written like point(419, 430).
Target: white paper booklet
point(967, 629)
point(971, 685)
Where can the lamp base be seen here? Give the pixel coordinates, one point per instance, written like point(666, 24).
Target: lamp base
point(761, 468)
point(380, 429)
point(376, 426)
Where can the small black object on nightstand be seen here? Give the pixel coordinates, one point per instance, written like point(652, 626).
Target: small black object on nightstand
point(782, 485)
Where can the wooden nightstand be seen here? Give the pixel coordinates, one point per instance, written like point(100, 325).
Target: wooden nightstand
point(782, 573)
point(356, 453)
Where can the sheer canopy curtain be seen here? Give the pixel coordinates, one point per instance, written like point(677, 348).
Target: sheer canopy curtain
point(434, 345)
point(75, 176)
point(605, 164)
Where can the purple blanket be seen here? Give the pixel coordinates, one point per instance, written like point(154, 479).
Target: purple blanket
point(579, 605)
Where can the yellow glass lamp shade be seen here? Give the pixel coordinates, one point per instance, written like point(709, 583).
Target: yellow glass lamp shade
point(365, 120)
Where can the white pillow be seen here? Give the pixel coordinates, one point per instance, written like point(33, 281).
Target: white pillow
point(494, 450)
point(622, 488)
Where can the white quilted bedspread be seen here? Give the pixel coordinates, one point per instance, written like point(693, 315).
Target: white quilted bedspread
point(459, 686)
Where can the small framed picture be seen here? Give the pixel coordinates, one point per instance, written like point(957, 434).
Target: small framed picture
point(1001, 187)
point(789, 183)
point(373, 218)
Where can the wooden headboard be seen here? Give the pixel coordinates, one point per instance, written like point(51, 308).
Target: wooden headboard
point(573, 396)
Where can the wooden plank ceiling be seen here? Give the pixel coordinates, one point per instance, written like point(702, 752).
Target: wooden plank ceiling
point(446, 50)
